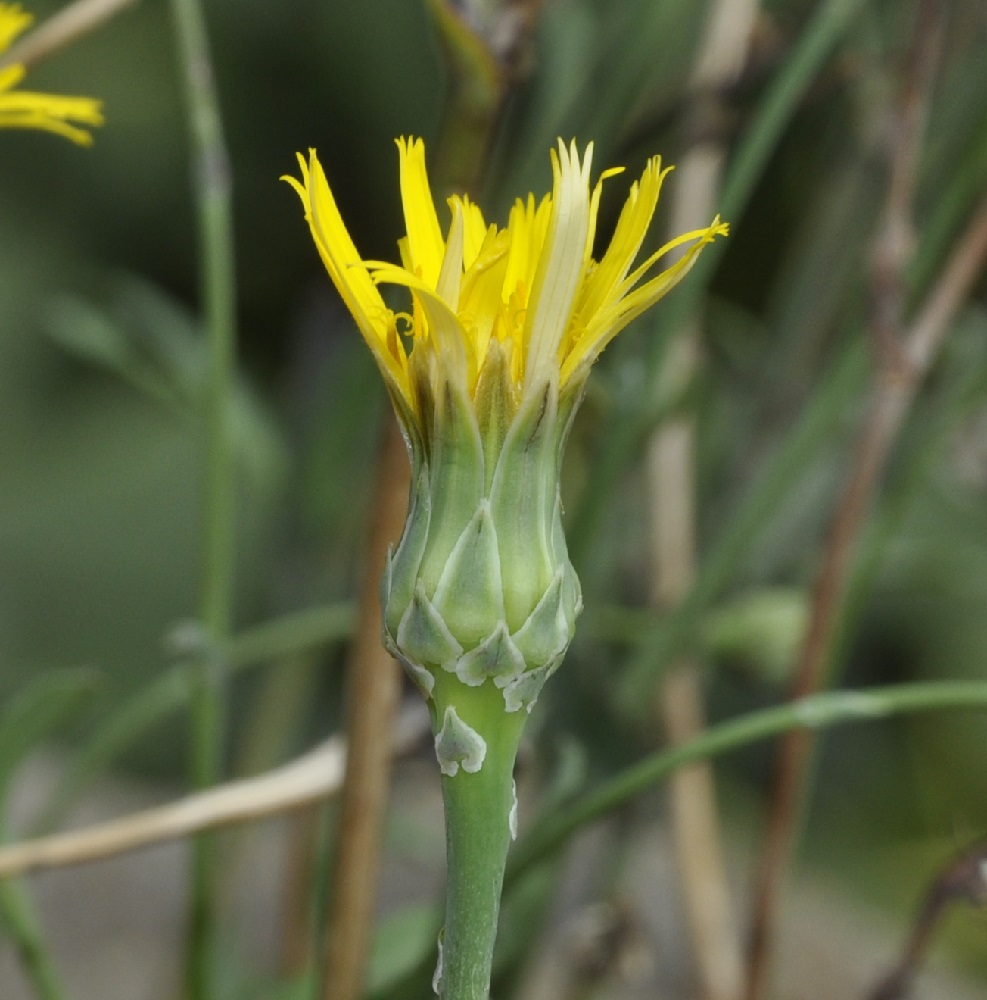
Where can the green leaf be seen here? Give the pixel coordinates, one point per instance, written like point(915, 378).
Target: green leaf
point(817, 711)
point(149, 341)
point(168, 693)
point(37, 711)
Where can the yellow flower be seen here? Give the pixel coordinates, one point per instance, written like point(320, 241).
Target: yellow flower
point(50, 112)
point(532, 287)
point(480, 598)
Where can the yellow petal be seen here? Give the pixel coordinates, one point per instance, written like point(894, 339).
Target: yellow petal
point(425, 244)
point(13, 21)
point(66, 116)
point(632, 226)
point(454, 351)
point(603, 327)
point(560, 267)
point(594, 208)
point(532, 287)
point(348, 272)
point(451, 274)
point(475, 229)
point(528, 227)
point(481, 306)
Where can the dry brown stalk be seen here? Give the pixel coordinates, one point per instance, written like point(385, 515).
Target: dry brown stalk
point(892, 396)
point(713, 932)
point(963, 880)
point(904, 356)
point(374, 688)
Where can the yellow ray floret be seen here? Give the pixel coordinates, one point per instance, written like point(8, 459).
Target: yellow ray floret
point(65, 116)
point(533, 286)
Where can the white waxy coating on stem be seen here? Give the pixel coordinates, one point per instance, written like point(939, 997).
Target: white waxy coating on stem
point(817, 710)
point(512, 815)
point(457, 744)
point(437, 975)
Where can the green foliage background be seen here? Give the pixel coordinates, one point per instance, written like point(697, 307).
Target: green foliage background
point(101, 368)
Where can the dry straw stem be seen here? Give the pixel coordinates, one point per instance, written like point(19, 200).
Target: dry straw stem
point(904, 356)
point(891, 401)
point(373, 692)
point(671, 473)
point(313, 777)
point(62, 29)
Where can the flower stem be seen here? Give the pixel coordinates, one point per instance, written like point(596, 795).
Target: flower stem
point(24, 932)
point(213, 190)
point(478, 814)
point(817, 711)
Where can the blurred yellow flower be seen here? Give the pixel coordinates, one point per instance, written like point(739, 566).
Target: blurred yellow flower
point(532, 287)
point(50, 112)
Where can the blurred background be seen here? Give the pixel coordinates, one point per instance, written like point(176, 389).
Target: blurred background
point(101, 382)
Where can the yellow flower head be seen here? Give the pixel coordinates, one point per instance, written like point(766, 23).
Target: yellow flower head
point(50, 112)
point(533, 288)
point(480, 599)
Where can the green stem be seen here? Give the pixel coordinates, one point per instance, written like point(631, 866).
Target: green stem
point(817, 711)
point(22, 925)
point(213, 190)
point(206, 689)
point(214, 200)
point(170, 692)
point(478, 815)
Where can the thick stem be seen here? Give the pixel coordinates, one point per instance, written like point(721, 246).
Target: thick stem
point(479, 812)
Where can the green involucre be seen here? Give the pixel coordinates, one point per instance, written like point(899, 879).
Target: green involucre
point(480, 591)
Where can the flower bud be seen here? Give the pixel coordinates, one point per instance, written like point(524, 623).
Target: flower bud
point(485, 373)
point(480, 587)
